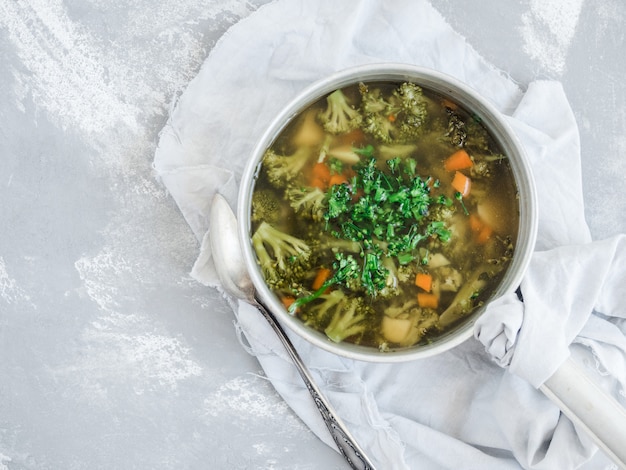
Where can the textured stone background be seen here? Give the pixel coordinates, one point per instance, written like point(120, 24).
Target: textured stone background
point(110, 355)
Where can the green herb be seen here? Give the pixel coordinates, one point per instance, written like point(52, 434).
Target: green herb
point(388, 212)
point(459, 197)
point(346, 271)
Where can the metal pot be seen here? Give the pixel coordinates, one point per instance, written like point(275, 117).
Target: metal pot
point(457, 92)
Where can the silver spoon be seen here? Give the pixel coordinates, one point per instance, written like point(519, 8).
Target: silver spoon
point(233, 275)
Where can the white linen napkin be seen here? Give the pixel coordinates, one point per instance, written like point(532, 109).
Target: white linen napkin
point(459, 409)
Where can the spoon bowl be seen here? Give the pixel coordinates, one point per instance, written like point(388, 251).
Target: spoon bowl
point(226, 251)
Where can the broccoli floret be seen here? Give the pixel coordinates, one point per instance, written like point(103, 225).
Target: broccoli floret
point(468, 133)
point(319, 313)
point(282, 169)
point(284, 259)
point(410, 127)
point(456, 131)
point(307, 201)
point(444, 224)
point(443, 210)
point(339, 116)
point(448, 278)
point(392, 279)
point(480, 169)
point(411, 100)
point(350, 318)
point(454, 247)
point(266, 206)
point(477, 136)
point(483, 165)
point(339, 315)
point(380, 127)
point(372, 101)
point(378, 114)
point(395, 118)
point(405, 273)
point(411, 97)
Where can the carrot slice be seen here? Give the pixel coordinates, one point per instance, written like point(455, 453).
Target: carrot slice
point(322, 276)
point(459, 160)
point(462, 183)
point(427, 300)
point(424, 281)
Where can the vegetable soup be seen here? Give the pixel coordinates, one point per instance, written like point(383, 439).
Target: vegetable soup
point(384, 215)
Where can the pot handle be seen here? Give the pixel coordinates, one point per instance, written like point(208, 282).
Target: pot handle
point(590, 408)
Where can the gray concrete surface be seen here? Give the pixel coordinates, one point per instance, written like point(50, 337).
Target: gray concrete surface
point(111, 356)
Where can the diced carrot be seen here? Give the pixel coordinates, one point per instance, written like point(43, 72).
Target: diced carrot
point(459, 160)
point(424, 281)
point(462, 183)
point(320, 170)
point(287, 301)
point(484, 234)
point(482, 231)
point(322, 276)
point(475, 223)
point(392, 117)
point(427, 300)
point(337, 179)
point(318, 183)
point(449, 104)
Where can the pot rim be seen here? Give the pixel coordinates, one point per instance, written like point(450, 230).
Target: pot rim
point(458, 92)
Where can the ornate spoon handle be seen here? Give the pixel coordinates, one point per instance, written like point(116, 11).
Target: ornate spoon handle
point(340, 434)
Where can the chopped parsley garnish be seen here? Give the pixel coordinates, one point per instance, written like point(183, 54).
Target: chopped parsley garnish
point(388, 211)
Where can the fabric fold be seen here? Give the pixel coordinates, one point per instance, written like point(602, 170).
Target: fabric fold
point(589, 278)
point(585, 276)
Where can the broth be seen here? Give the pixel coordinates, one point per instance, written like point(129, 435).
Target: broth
point(384, 215)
